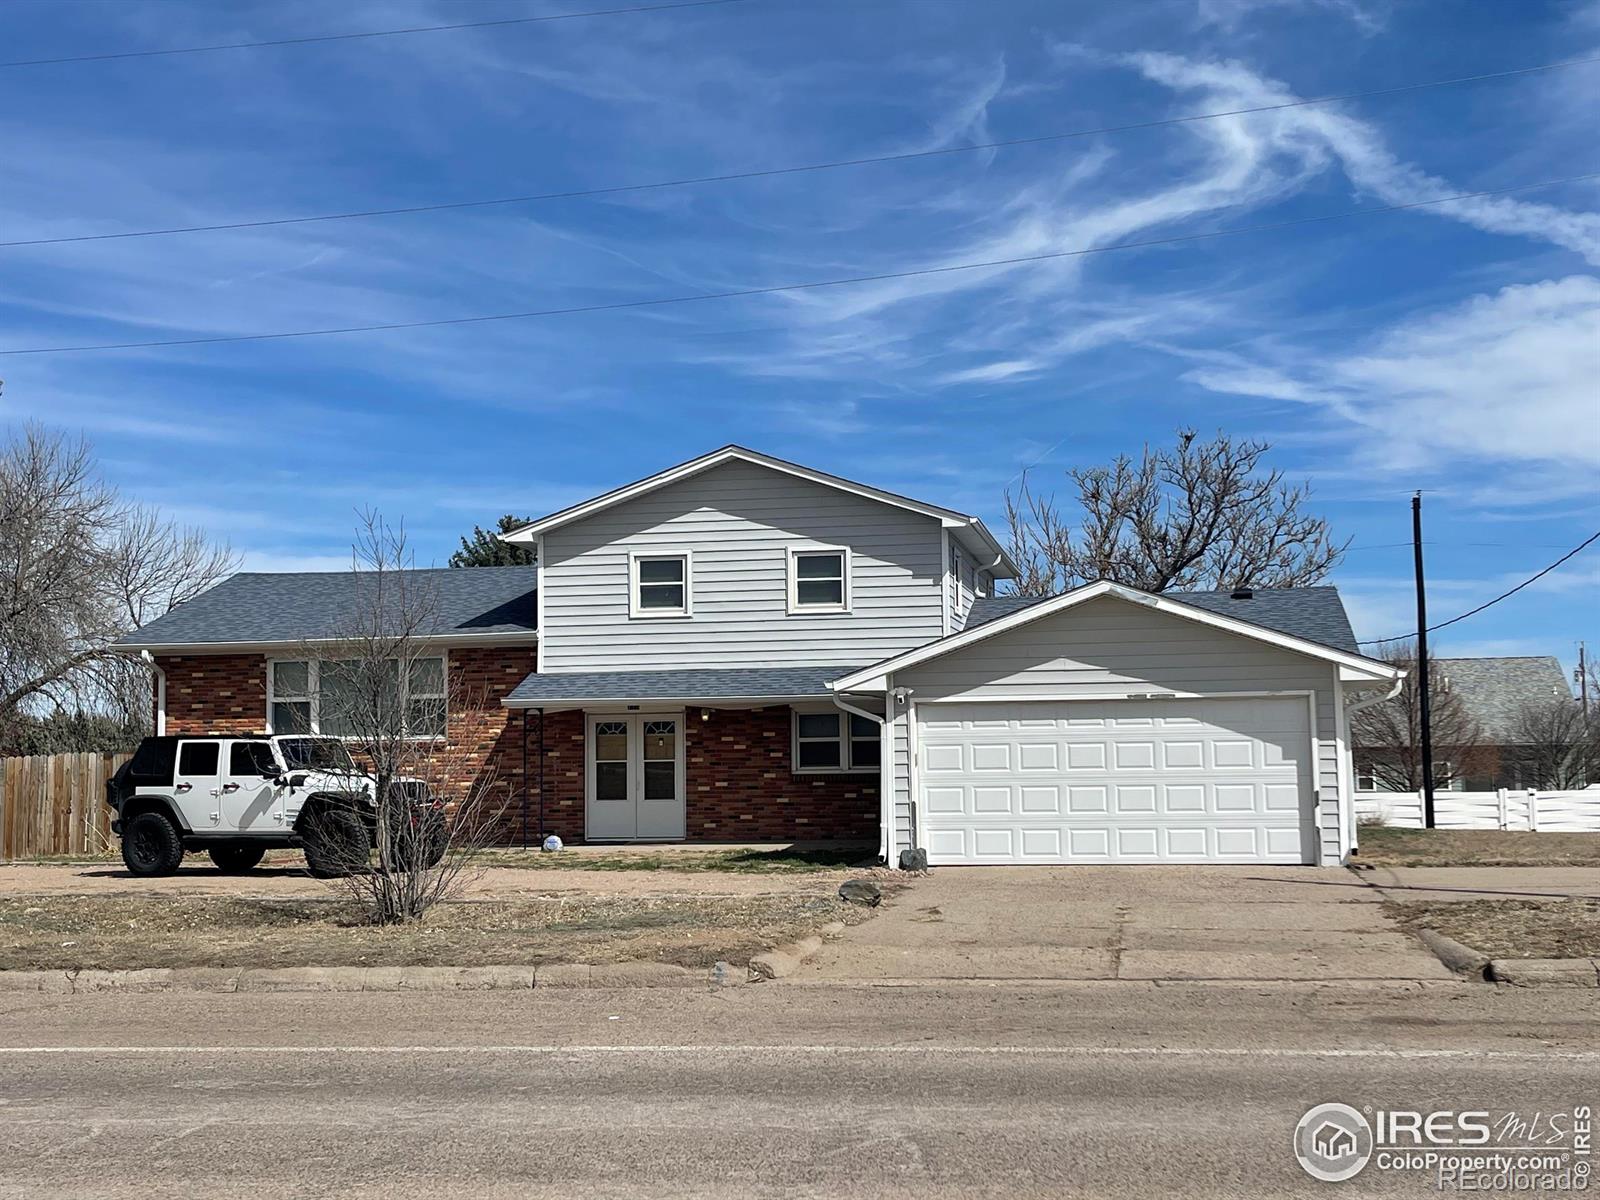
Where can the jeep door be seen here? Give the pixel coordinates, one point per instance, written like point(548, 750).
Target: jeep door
point(251, 802)
point(197, 784)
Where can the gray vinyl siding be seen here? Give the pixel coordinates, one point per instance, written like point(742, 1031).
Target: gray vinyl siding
point(1108, 647)
point(739, 520)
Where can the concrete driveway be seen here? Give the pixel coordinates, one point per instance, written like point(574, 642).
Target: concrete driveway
point(1131, 923)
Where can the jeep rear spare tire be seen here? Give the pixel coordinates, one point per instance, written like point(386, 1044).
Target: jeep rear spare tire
point(151, 844)
point(336, 842)
point(235, 860)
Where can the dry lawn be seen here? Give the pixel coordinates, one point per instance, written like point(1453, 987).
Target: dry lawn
point(1385, 847)
point(1511, 928)
point(112, 932)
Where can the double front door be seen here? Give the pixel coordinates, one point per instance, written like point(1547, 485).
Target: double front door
point(634, 777)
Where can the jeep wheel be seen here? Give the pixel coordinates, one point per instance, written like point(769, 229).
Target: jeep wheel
point(419, 844)
point(151, 845)
point(337, 843)
point(236, 860)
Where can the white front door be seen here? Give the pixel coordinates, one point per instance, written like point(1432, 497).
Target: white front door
point(634, 777)
point(1117, 781)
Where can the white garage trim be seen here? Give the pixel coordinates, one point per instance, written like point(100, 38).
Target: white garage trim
point(1309, 810)
point(1352, 666)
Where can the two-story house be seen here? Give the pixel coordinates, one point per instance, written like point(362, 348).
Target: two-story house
point(743, 649)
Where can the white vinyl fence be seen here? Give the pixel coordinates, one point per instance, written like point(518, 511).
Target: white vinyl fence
point(1542, 812)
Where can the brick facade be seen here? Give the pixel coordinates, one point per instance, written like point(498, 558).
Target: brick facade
point(737, 765)
point(215, 693)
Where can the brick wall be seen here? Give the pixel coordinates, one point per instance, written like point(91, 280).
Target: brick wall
point(741, 787)
point(215, 693)
point(736, 764)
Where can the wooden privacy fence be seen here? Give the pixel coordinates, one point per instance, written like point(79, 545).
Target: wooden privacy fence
point(55, 804)
point(1542, 812)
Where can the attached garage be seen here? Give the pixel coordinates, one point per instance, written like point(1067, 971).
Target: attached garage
point(1109, 725)
point(1117, 781)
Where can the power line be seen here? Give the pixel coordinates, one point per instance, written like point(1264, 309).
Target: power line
point(770, 172)
point(1491, 603)
point(736, 293)
point(371, 33)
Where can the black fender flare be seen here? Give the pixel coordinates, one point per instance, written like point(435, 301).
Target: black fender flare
point(138, 805)
point(322, 802)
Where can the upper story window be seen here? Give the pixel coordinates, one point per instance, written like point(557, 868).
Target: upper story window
point(819, 580)
point(325, 697)
point(659, 585)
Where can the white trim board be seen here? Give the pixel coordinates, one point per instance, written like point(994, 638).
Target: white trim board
point(289, 645)
point(948, 518)
point(872, 678)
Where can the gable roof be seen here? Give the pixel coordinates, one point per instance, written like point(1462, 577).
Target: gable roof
point(969, 528)
point(1177, 604)
point(1313, 613)
point(257, 608)
point(1494, 691)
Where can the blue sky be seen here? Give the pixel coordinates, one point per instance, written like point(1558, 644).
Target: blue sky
point(1454, 348)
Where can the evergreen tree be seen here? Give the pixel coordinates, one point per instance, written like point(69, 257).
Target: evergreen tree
point(485, 549)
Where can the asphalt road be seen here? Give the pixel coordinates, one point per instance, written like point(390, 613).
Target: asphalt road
point(1093, 1089)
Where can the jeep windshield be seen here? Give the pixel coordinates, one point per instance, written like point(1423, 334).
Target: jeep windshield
point(316, 754)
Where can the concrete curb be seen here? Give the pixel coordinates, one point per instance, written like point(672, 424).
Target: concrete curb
point(784, 960)
point(1546, 972)
point(369, 979)
point(1463, 960)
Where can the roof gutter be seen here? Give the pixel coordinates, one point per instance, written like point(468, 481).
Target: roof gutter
point(520, 637)
point(1358, 705)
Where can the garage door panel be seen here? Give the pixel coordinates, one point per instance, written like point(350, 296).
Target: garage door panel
point(1117, 781)
point(1045, 799)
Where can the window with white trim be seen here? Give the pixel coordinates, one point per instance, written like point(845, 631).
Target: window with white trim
point(659, 585)
point(819, 580)
point(316, 696)
point(834, 741)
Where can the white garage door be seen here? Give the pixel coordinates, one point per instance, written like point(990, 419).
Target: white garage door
point(1116, 781)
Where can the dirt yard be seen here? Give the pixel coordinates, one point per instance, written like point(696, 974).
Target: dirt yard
point(71, 932)
point(1384, 847)
point(96, 915)
point(1511, 928)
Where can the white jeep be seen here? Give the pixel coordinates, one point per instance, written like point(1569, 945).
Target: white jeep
point(239, 795)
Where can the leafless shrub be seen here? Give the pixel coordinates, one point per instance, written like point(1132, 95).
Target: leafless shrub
point(1200, 515)
point(385, 692)
point(1555, 746)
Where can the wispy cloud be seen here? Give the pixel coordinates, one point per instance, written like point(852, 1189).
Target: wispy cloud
point(1509, 377)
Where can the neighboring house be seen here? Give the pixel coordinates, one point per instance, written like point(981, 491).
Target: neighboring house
point(740, 649)
point(1493, 694)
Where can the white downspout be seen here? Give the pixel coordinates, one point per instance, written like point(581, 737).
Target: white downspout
point(885, 771)
point(1349, 767)
point(161, 692)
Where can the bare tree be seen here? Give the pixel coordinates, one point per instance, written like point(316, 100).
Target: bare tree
point(80, 567)
point(1554, 745)
point(384, 689)
point(1200, 515)
point(1386, 738)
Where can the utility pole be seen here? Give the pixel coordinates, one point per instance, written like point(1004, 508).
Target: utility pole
point(1583, 681)
point(1424, 698)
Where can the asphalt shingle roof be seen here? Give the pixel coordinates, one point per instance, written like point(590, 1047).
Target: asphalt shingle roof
point(1313, 613)
point(1494, 691)
point(255, 607)
point(719, 683)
